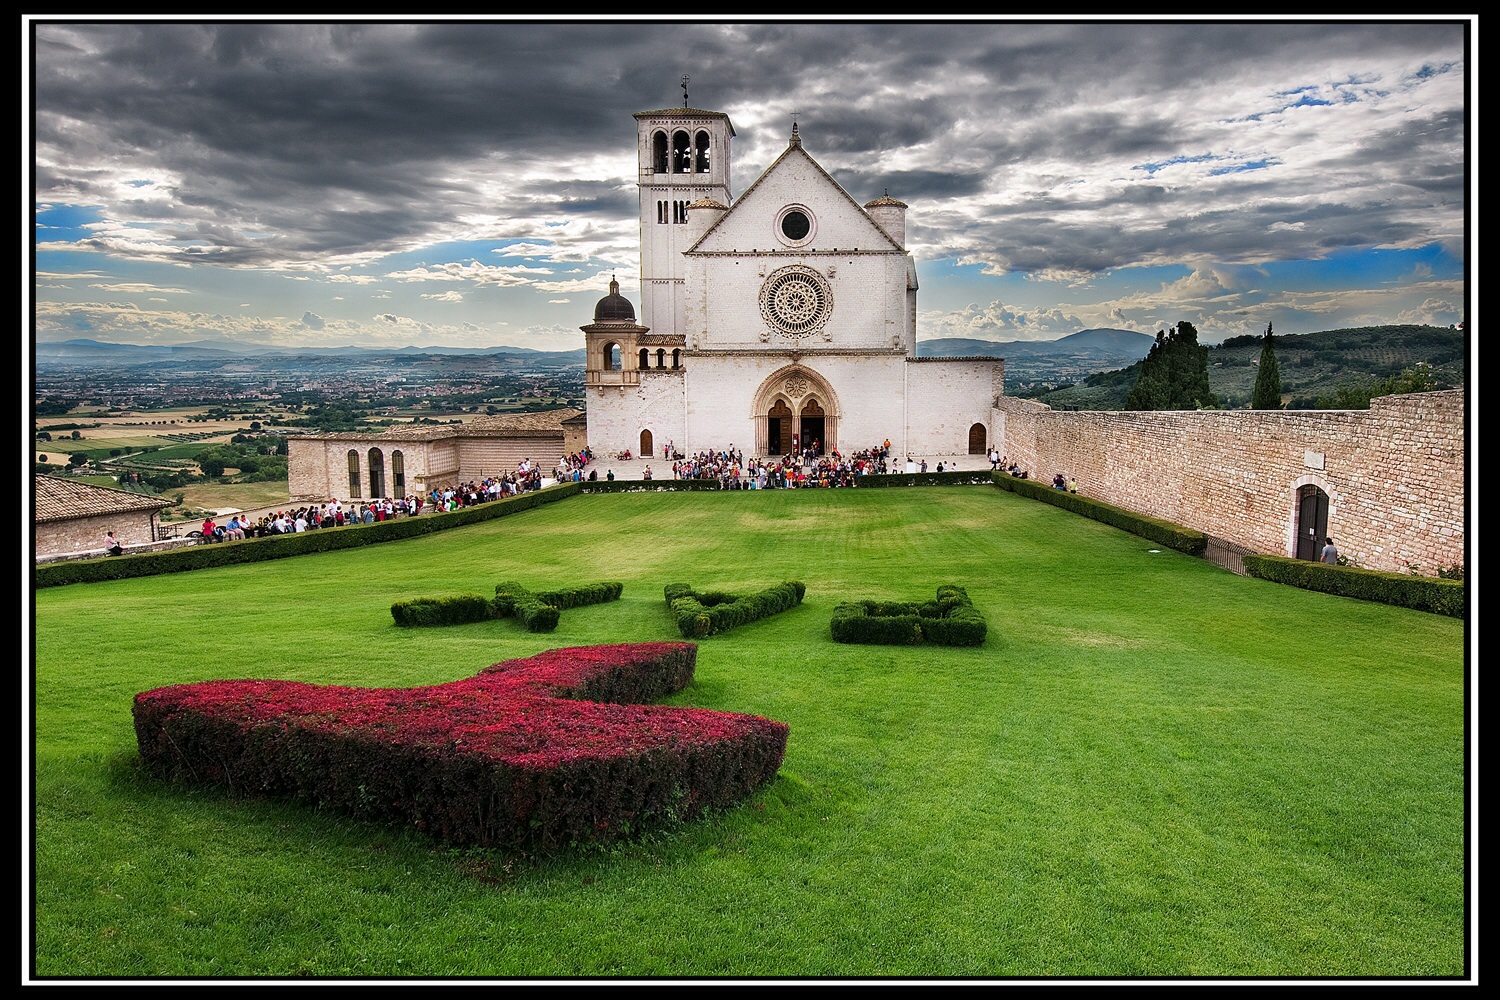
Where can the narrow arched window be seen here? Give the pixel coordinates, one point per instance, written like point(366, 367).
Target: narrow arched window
point(353, 473)
point(398, 473)
point(377, 473)
point(701, 163)
point(645, 359)
point(677, 358)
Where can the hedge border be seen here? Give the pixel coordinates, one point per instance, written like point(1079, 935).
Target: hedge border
point(1420, 593)
point(1173, 536)
point(284, 546)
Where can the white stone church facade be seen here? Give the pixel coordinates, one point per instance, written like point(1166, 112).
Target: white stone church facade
point(775, 321)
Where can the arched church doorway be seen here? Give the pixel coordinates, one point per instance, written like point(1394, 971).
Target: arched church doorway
point(978, 445)
point(647, 445)
point(779, 429)
point(1312, 521)
point(794, 408)
point(811, 427)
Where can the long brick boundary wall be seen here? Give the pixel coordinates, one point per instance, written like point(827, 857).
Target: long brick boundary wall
point(1394, 474)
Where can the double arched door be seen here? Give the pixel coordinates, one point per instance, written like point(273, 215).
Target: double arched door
point(795, 410)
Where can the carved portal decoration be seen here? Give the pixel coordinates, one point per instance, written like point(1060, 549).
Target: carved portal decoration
point(795, 386)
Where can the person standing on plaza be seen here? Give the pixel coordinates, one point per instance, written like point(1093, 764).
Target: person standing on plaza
point(1330, 554)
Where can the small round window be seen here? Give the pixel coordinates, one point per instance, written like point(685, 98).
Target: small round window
point(795, 225)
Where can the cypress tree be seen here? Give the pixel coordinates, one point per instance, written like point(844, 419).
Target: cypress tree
point(1267, 394)
point(1174, 375)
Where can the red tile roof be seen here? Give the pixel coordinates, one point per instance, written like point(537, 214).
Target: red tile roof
point(61, 500)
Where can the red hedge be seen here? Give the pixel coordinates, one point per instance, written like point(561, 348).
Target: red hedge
point(508, 758)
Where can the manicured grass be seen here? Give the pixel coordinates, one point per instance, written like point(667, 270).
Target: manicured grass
point(1151, 768)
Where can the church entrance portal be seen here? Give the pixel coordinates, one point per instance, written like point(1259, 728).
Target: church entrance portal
point(977, 443)
point(796, 410)
point(647, 448)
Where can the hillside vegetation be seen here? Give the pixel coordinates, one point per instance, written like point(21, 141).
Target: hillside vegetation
point(1314, 367)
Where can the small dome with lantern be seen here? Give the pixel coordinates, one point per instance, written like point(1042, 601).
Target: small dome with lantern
point(614, 307)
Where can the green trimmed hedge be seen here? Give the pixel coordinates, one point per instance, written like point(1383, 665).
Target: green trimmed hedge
point(1173, 536)
point(712, 612)
point(537, 612)
point(1421, 593)
point(282, 546)
point(426, 612)
point(950, 620)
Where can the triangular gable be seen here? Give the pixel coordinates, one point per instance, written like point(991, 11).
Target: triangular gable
point(747, 225)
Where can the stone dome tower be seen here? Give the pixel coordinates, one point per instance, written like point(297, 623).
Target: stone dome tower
point(890, 215)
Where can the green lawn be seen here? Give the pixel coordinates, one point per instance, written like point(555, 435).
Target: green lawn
point(1152, 768)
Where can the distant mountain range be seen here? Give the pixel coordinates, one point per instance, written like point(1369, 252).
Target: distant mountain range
point(1103, 343)
point(223, 350)
point(1086, 344)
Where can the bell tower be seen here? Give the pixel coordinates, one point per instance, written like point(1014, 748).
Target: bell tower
point(683, 157)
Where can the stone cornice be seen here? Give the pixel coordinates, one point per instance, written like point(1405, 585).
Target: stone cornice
point(796, 352)
point(965, 358)
point(803, 252)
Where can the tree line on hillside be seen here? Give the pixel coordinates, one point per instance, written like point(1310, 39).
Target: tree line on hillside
point(1349, 368)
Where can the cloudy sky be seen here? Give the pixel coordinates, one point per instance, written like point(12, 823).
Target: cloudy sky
point(472, 184)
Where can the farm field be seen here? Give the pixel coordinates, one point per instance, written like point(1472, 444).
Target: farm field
point(1152, 768)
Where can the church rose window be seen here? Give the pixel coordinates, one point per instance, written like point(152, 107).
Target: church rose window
point(796, 301)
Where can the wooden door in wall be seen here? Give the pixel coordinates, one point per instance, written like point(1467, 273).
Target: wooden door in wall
point(1312, 522)
point(779, 429)
point(647, 447)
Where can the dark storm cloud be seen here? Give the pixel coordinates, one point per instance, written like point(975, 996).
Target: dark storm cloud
point(266, 143)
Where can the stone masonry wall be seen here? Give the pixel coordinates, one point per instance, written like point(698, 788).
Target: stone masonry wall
point(86, 534)
point(1394, 474)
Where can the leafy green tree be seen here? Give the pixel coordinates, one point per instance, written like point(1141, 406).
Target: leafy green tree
point(1267, 395)
point(1357, 396)
point(1174, 375)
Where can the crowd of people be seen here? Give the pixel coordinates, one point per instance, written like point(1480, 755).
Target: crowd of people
point(805, 468)
point(570, 468)
point(337, 514)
